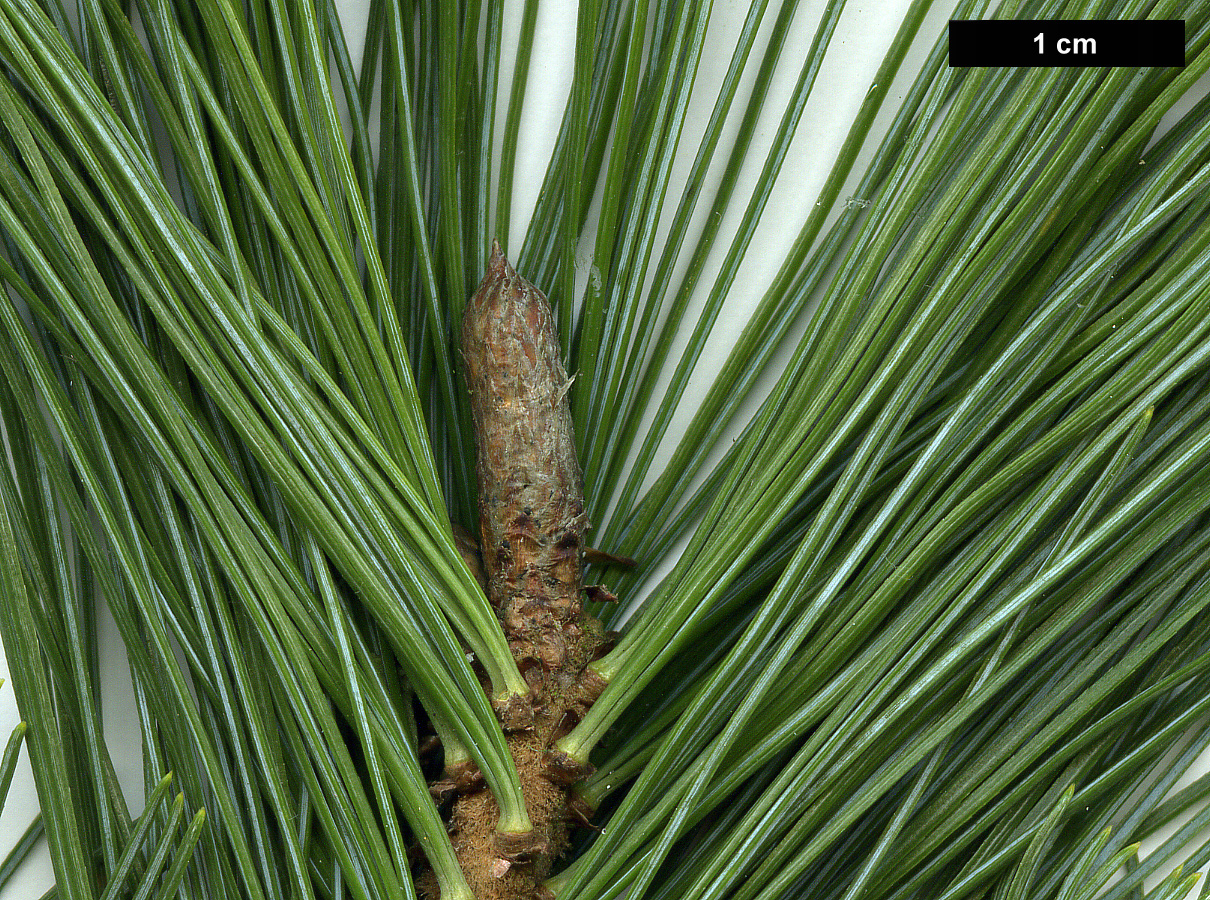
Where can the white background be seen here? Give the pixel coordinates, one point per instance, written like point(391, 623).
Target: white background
point(857, 49)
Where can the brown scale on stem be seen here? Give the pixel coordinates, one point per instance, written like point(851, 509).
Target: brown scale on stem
point(531, 528)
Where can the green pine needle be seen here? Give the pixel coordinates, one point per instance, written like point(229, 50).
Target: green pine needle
point(923, 557)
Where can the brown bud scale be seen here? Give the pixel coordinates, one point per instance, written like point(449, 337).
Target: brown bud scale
point(531, 529)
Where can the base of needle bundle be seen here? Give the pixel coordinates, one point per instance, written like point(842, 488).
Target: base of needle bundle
point(531, 528)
